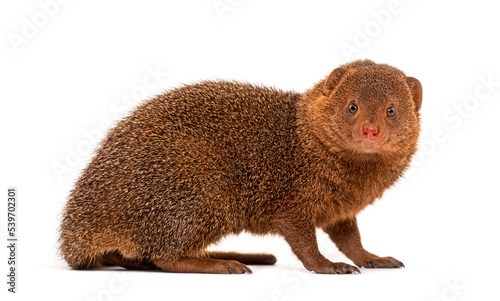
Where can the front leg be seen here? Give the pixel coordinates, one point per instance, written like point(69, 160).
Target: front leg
point(345, 234)
point(301, 236)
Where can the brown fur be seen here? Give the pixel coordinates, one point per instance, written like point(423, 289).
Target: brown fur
point(214, 158)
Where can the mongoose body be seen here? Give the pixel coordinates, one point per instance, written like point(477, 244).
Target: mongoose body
point(214, 158)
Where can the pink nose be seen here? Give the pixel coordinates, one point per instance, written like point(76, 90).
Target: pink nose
point(371, 132)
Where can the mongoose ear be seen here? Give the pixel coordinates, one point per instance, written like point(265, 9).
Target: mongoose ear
point(416, 91)
point(333, 80)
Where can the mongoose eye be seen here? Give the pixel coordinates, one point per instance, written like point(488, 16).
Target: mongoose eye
point(353, 108)
point(391, 112)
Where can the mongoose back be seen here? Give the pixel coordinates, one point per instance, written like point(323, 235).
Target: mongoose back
point(214, 158)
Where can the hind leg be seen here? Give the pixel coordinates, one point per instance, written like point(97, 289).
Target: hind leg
point(116, 259)
point(264, 259)
point(202, 265)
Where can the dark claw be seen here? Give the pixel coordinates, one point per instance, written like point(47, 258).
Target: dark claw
point(356, 270)
point(372, 264)
point(247, 270)
point(230, 270)
point(337, 270)
point(398, 264)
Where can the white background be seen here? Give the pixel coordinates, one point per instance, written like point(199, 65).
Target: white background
point(66, 69)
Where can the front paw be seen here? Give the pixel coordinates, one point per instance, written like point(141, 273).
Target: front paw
point(380, 262)
point(335, 268)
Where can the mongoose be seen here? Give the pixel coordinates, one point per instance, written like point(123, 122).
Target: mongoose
point(214, 158)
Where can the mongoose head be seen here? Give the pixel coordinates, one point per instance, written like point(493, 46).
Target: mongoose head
point(366, 108)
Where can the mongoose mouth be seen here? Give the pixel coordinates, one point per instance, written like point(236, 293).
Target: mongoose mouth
point(369, 146)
